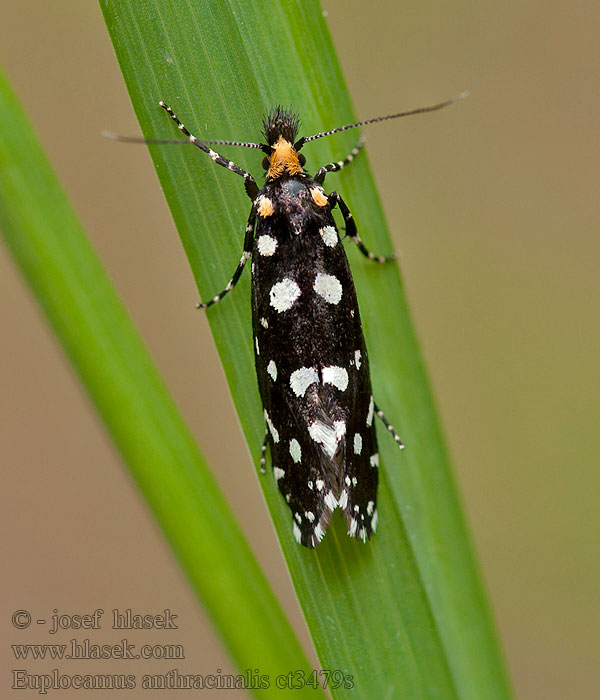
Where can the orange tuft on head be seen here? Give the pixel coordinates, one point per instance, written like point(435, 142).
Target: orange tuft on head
point(284, 160)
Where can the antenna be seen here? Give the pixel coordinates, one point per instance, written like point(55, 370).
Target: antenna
point(419, 110)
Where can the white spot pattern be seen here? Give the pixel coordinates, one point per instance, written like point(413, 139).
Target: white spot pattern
point(274, 431)
point(295, 450)
point(297, 533)
point(329, 236)
point(272, 370)
point(278, 473)
point(340, 429)
point(337, 376)
point(266, 245)
point(370, 412)
point(357, 443)
point(374, 460)
point(283, 294)
point(302, 378)
point(357, 359)
point(324, 435)
point(343, 500)
point(374, 521)
point(329, 287)
point(331, 501)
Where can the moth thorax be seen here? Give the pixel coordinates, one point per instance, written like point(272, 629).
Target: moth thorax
point(284, 159)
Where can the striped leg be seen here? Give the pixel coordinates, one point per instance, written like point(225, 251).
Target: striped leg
point(351, 231)
point(246, 255)
point(263, 451)
point(249, 182)
point(384, 420)
point(334, 167)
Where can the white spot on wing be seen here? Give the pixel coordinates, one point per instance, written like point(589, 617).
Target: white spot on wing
point(357, 443)
point(331, 501)
point(272, 370)
point(274, 431)
point(283, 294)
point(329, 287)
point(357, 358)
point(302, 378)
point(374, 460)
point(309, 515)
point(353, 526)
point(267, 245)
point(329, 236)
point(343, 500)
point(327, 436)
point(295, 450)
point(337, 376)
point(264, 323)
point(319, 484)
point(297, 533)
point(278, 473)
point(370, 412)
point(370, 507)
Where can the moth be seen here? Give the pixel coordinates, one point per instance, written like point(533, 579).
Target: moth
point(310, 354)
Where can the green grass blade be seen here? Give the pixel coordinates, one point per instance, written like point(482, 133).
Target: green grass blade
point(404, 615)
point(49, 245)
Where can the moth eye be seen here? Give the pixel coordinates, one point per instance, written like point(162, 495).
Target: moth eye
point(266, 162)
point(302, 159)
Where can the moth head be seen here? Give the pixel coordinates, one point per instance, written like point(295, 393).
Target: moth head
point(280, 128)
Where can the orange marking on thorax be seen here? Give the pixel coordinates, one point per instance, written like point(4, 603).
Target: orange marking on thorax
point(265, 207)
point(318, 196)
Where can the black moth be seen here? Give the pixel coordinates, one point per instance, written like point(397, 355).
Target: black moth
point(311, 359)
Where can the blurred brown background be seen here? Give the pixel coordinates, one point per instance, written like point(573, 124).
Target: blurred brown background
point(500, 261)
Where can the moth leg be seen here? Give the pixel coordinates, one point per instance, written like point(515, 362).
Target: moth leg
point(263, 451)
point(249, 182)
point(351, 231)
point(246, 255)
point(384, 420)
point(334, 167)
